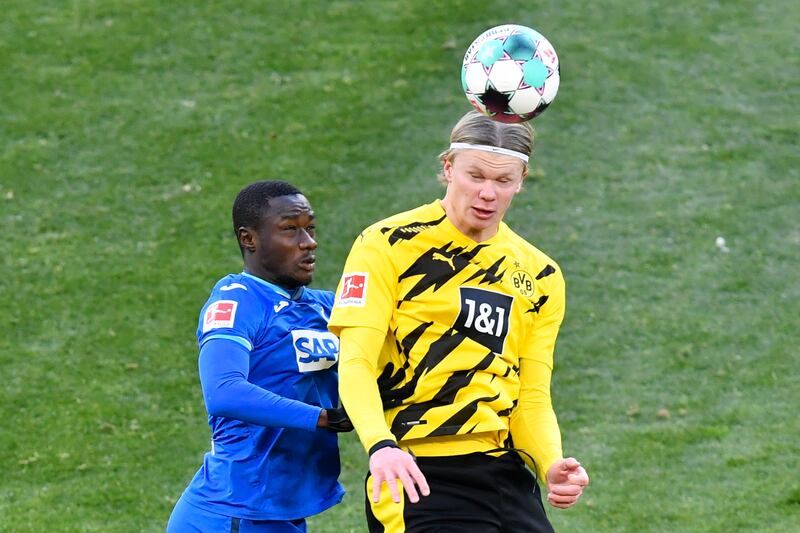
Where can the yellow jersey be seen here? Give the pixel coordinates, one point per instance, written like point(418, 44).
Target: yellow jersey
point(458, 318)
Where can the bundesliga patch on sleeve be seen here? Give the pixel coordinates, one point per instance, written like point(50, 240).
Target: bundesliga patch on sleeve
point(220, 314)
point(354, 290)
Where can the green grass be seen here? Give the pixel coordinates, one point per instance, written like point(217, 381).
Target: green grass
point(126, 128)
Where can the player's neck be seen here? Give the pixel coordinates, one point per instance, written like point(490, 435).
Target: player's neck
point(477, 234)
point(260, 273)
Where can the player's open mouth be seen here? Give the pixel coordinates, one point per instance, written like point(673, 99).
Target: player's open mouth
point(308, 263)
point(483, 214)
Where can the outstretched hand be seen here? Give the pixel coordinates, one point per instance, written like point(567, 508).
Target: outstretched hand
point(566, 479)
point(390, 464)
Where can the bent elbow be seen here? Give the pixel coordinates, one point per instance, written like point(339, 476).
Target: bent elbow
point(214, 406)
point(218, 402)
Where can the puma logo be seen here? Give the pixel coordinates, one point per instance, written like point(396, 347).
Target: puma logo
point(441, 257)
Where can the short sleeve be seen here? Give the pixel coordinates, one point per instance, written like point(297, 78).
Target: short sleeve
point(366, 294)
point(235, 315)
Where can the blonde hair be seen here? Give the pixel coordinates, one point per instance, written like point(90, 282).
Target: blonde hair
point(477, 128)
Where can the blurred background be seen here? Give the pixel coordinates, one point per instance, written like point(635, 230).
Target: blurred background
point(664, 182)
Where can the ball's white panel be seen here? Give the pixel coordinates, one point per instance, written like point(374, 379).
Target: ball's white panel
point(551, 87)
point(525, 101)
point(505, 75)
point(475, 78)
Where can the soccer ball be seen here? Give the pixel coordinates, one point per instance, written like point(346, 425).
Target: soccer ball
point(510, 73)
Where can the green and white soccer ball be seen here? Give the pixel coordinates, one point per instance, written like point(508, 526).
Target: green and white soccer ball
point(510, 73)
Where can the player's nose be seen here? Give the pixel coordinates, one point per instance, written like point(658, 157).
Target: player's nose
point(307, 242)
point(488, 190)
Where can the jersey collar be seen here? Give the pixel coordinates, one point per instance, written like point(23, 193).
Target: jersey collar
point(296, 294)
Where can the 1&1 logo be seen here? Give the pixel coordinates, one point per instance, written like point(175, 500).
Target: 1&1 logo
point(315, 350)
point(484, 316)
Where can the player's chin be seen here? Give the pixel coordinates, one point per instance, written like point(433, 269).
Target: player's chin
point(485, 219)
point(304, 273)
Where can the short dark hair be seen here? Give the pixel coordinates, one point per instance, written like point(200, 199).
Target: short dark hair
point(253, 200)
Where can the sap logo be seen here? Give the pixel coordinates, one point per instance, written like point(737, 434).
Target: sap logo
point(315, 350)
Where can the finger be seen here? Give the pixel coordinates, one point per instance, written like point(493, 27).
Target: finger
point(571, 463)
point(392, 483)
point(566, 490)
point(555, 498)
point(579, 474)
point(376, 487)
point(408, 485)
point(580, 478)
point(561, 505)
point(561, 500)
point(557, 473)
point(419, 479)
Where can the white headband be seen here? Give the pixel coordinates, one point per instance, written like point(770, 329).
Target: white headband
point(492, 149)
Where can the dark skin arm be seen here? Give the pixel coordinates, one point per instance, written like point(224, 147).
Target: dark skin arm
point(322, 422)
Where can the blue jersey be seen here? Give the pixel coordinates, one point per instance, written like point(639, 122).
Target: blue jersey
point(268, 460)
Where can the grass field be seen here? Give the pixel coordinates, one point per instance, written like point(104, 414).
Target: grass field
point(127, 127)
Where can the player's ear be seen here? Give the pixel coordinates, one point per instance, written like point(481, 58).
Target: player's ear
point(247, 238)
point(447, 169)
point(522, 181)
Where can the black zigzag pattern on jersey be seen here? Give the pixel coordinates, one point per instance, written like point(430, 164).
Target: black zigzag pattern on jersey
point(389, 379)
point(506, 412)
point(437, 351)
point(490, 274)
point(537, 305)
point(409, 231)
point(452, 425)
point(437, 266)
point(511, 369)
point(413, 415)
point(546, 271)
